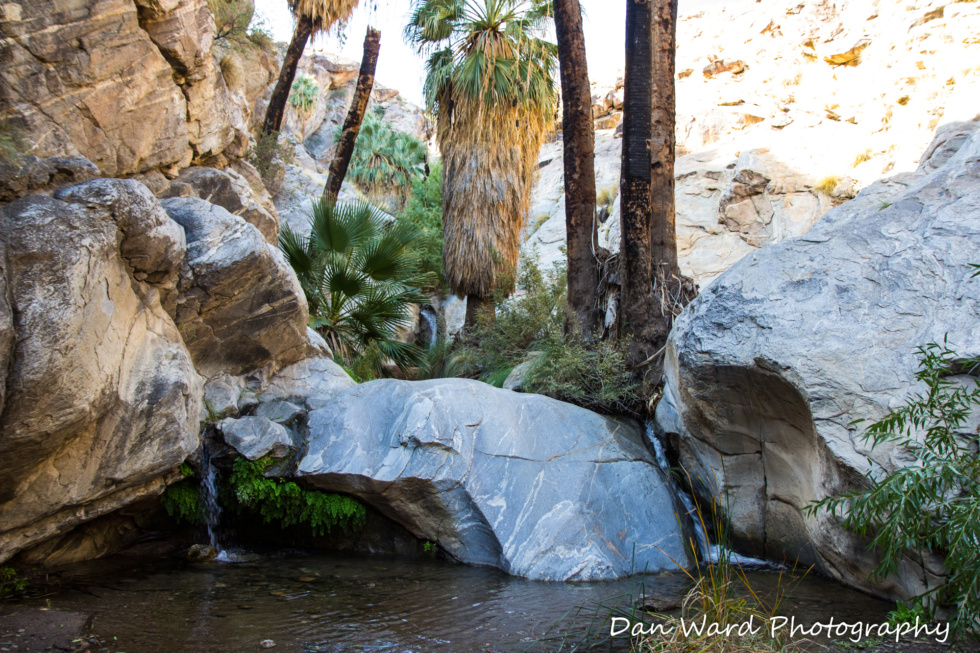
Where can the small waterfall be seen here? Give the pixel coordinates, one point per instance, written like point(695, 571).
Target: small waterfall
point(708, 552)
point(209, 495)
point(705, 551)
point(432, 324)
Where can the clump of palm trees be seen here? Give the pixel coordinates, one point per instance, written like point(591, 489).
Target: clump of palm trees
point(491, 84)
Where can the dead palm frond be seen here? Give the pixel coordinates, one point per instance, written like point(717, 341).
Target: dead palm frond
point(325, 14)
point(491, 82)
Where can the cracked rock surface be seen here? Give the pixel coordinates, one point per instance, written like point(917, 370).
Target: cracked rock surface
point(524, 483)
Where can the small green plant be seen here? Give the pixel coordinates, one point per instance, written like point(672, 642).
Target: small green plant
point(11, 143)
point(303, 95)
point(287, 504)
point(884, 205)
point(933, 505)
point(182, 501)
point(905, 613)
point(270, 154)
point(186, 469)
point(428, 547)
point(11, 584)
point(231, 19)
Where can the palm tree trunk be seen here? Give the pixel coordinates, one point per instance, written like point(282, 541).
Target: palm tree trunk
point(635, 185)
point(277, 103)
point(352, 125)
point(663, 237)
point(578, 135)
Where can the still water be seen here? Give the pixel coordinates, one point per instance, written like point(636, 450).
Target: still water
point(332, 603)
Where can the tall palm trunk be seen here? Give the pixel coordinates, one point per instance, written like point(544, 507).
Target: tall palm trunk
point(663, 236)
point(578, 134)
point(653, 290)
point(635, 184)
point(355, 115)
point(277, 103)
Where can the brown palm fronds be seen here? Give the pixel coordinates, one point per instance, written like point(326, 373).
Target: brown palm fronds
point(324, 13)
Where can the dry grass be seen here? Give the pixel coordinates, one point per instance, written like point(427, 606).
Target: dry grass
point(325, 13)
point(490, 157)
point(607, 197)
point(827, 185)
point(862, 158)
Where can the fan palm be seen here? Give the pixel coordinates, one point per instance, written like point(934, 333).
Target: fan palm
point(359, 275)
point(312, 17)
point(491, 84)
point(386, 162)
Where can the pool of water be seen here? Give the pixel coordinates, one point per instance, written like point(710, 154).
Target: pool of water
point(327, 603)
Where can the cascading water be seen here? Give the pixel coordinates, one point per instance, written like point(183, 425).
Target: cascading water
point(209, 495)
point(708, 552)
point(433, 326)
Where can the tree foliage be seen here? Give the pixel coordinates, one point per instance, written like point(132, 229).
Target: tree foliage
point(932, 506)
point(385, 162)
point(360, 274)
point(424, 210)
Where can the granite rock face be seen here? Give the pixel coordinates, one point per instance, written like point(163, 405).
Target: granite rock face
point(98, 387)
point(231, 190)
point(768, 369)
point(241, 306)
point(131, 86)
point(529, 485)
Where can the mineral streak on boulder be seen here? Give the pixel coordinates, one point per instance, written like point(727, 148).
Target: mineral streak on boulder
point(524, 483)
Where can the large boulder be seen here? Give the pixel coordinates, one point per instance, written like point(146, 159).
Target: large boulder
point(231, 190)
point(769, 368)
point(100, 399)
point(241, 306)
point(524, 483)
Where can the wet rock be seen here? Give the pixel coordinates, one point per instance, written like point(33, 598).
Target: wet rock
point(532, 486)
point(201, 553)
point(255, 437)
point(799, 340)
point(222, 396)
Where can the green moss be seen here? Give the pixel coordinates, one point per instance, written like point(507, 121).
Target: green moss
point(286, 503)
point(182, 500)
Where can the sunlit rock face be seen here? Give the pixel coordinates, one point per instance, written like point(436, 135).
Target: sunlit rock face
point(530, 485)
point(785, 110)
point(769, 368)
point(131, 86)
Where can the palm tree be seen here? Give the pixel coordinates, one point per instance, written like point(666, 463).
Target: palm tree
point(312, 17)
point(490, 83)
point(359, 275)
point(386, 162)
point(578, 138)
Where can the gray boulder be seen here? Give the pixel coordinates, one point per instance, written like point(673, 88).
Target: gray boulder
point(231, 191)
point(768, 369)
point(311, 383)
point(241, 305)
point(524, 483)
point(280, 412)
point(255, 437)
point(100, 400)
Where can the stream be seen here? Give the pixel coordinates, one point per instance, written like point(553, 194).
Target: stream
point(332, 603)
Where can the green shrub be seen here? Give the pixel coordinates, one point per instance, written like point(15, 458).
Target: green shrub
point(10, 583)
point(231, 19)
point(933, 505)
point(359, 274)
point(182, 501)
point(424, 210)
point(303, 95)
point(531, 324)
point(270, 154)
point(287, 504)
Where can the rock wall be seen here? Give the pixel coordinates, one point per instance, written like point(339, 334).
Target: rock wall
point(769, 368)
point(130, 85)
point(785, 109)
